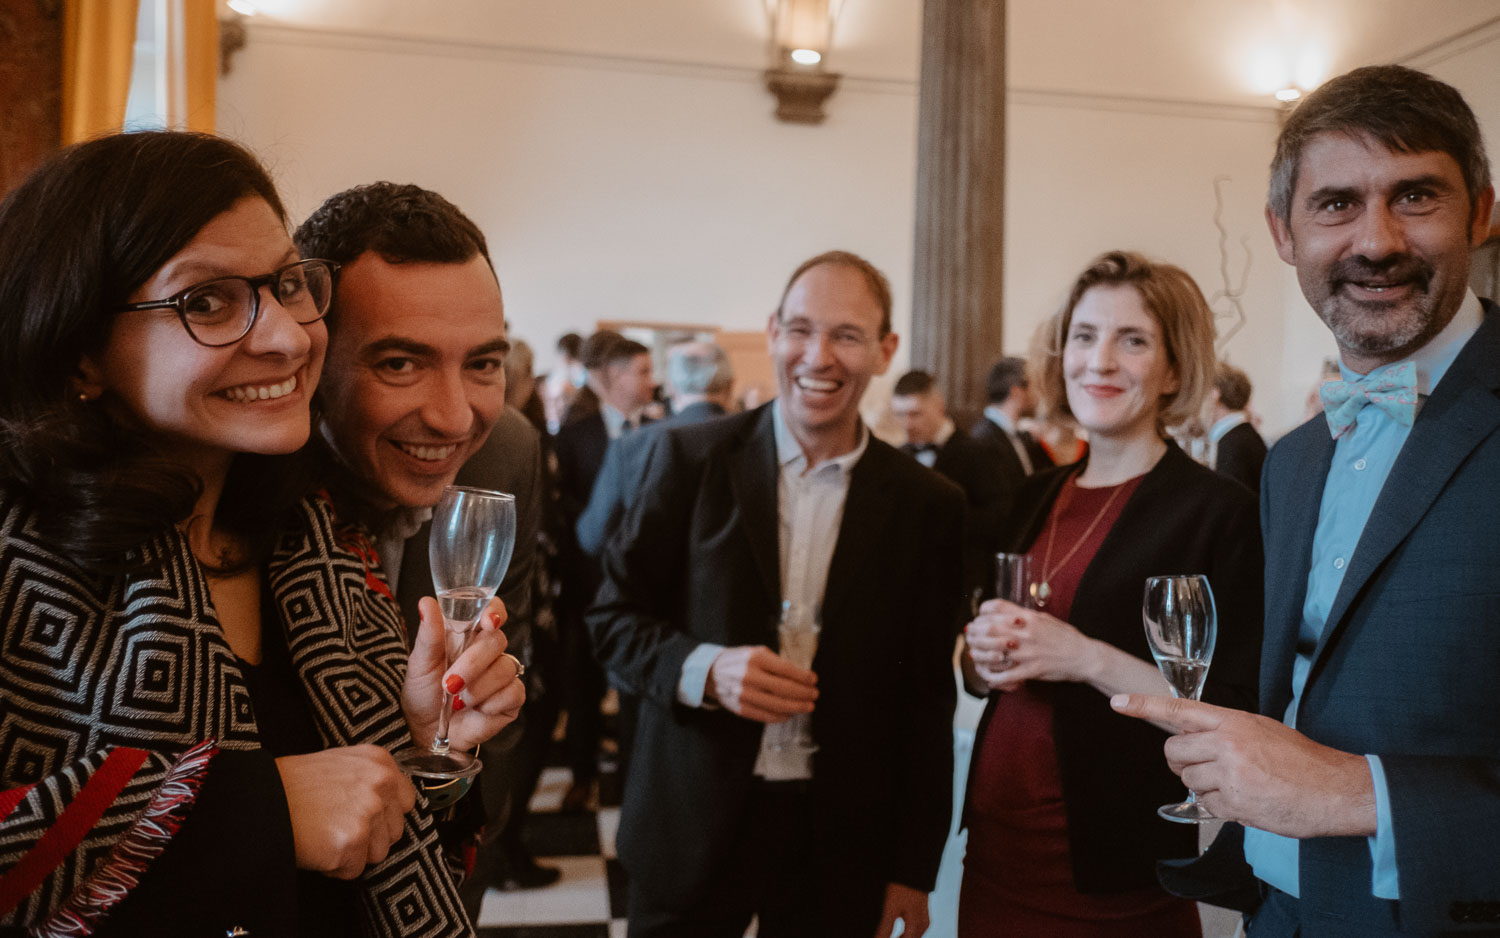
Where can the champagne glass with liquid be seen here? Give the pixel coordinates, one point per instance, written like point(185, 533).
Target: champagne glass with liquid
point(473, 535)
point(798, 635)
point(1181, 626)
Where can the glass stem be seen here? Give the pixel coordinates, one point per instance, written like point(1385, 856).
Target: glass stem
point(440, 741)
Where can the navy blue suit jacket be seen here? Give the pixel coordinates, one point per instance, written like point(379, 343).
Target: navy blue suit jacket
point(1408, 666)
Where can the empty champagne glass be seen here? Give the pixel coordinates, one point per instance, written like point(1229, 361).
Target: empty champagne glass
point(473, 535)
point(798, 634)
point(1181, 626)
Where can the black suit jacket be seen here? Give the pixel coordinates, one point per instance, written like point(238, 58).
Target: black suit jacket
point(989, 432)
point(1406, 665)
point(1240, 453)
point(978, 469)
point(624, 464)
point(1182, 518)
point(694, 560)
point(580, 448)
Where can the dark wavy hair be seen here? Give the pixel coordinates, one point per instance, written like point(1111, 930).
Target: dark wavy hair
point(77, 238)
point(1406, 110)
point(404, 224)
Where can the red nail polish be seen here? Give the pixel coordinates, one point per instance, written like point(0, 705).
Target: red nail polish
point(458, 704)
point(454, 683)
point(495, 619)
point(1013, 644)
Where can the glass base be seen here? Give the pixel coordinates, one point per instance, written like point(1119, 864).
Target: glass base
point(442, 778)
point(1189, 812)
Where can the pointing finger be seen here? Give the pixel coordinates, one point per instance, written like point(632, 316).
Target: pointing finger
point(1180, 716)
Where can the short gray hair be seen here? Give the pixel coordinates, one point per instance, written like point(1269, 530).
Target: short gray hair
point(1406, 110)
point(698, 368)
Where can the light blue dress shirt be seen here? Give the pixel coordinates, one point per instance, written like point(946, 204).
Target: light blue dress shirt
point(1362, 459)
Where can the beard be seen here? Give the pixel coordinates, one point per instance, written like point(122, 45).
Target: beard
point(1381, 327)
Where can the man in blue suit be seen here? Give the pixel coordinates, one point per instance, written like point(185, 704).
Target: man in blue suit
point(1368, 791)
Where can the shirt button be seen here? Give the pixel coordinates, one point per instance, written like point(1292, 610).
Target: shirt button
point(1338, 563)
point(1359, 465)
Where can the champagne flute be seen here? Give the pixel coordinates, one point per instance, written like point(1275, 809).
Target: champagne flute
point(798, 634)
point(473, 535)
point(1181, 626)
point(1013, 583)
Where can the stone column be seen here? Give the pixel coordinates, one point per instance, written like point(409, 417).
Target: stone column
point(30, 86)
point(957, 326)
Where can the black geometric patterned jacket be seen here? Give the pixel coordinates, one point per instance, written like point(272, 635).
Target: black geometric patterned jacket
point(125, 720)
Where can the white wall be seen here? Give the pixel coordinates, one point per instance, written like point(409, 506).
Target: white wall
point(616, 187)
point(608, 189)
point(1086, 176)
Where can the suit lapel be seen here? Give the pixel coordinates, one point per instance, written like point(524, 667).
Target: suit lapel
point(1457, 417)
point(1289, 548)
point(753, 477)
point(865, 510)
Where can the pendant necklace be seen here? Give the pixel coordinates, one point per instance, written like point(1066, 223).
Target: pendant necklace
point(1041, 590)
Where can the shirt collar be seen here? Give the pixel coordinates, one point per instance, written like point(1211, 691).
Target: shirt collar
point(1000, 418)
point(789, 451)
point(1226, 423)
point(1435, 358)
point(405, 522)
point(614, 420)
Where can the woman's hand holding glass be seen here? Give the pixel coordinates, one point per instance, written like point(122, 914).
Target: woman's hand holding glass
point(489, 690)
point(1011, 644)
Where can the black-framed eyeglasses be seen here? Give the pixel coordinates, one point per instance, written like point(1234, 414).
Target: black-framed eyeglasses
point(223, 311)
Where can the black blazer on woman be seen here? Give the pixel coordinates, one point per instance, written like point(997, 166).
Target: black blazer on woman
point(1182, 518)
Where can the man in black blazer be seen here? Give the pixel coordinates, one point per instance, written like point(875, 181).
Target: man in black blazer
point(700, 380)
point(1239, 451)
point(974, 467)
point(794, 502)
point(1011, 399)
point(619, 371)
point(1368, 788)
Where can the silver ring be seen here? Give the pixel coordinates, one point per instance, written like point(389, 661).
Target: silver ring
point(520, 668)
point(1005, 660)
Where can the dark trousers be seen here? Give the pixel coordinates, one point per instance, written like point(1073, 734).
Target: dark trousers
point(513, 760)
point(777, 871)
point(584, 682)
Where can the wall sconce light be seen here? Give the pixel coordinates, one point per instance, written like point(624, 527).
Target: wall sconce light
point(801, 34)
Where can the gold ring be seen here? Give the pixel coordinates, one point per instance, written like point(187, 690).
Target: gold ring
point(520, 668)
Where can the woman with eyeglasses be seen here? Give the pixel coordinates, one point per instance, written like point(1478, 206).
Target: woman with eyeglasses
point(200, 679)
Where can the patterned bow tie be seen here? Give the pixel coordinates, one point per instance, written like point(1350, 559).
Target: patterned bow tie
point(1392, 389)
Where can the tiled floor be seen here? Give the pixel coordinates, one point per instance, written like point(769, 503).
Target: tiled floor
point(589, 900)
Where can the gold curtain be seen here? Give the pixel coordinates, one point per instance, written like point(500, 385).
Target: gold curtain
point(194, 67)
point(98, 52)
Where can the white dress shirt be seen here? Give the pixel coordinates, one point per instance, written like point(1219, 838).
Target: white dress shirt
point(810, 509)
point(1001, 419)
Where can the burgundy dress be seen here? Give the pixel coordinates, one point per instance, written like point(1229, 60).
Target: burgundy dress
point(1018, 878)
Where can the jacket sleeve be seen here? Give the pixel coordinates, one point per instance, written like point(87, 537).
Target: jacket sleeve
point(642, 561)
point(604, 505)
point(925, 753)
point(1237, 575)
